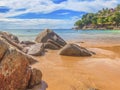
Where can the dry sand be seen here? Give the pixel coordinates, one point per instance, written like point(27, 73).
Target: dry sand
point(99, 72)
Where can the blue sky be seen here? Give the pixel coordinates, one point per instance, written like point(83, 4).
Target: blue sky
point(58, 14)
point(47, 13)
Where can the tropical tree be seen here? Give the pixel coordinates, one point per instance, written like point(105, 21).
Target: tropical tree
point(104, 18)
point(117, 18)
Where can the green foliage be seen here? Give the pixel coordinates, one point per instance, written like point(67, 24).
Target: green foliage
point(79, 23)
point(103, 17)
point(117, 18)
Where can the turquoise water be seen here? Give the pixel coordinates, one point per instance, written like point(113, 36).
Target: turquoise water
point(70, 35)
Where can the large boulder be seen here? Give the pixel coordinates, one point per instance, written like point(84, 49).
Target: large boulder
point(10, 36)
point(36, 49)
point(15, 72)
point(74, 50)
point(47, 34)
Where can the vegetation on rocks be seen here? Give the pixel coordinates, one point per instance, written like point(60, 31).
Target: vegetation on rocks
point(103, 19)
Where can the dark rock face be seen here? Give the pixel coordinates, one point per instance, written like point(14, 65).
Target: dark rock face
point(74, 50)
point(10, 36)
point(27, 43)
point(47, 34)
point(15, 72)
point(36, 49)
point(50, 44)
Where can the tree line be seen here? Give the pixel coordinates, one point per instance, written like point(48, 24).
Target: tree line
point(107, 18)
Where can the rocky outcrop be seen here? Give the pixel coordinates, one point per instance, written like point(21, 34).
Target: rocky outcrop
point(74, 50)
point(28, 47)
point(36, 49)
point(48, 35)
point(15, 72)
point(10, 36)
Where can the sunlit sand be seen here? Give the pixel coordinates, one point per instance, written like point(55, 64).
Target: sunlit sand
point(99, 72)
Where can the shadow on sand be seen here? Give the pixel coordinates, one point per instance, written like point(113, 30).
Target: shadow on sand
point(42, 86)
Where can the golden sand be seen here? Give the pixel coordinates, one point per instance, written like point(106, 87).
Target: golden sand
point(99, 72)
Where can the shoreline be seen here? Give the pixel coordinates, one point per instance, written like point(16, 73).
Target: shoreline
point(95, 29)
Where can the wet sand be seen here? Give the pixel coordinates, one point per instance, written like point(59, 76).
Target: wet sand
point(99, 72)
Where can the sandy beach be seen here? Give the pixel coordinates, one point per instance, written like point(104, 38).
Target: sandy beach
point(98, 72)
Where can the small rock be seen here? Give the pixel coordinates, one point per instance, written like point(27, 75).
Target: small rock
point(27, 43)
point(74, 50)
point(36, 49)
point(36, 78)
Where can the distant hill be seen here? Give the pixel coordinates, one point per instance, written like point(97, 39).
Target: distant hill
point(103, 19)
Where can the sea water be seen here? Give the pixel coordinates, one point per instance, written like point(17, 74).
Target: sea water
point(70, 35)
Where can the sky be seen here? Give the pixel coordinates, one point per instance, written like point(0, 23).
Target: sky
point(53, 14)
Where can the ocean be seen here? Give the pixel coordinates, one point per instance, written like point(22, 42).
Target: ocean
point(70, 35)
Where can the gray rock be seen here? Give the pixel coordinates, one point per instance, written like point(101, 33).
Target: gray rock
point(10, 36)
point(74, 50)
point(36, 49)
point(49, 45)
point(47, 34)
point(25, 49)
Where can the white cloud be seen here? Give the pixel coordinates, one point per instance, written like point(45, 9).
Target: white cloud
point(65, 13)
point(90, 6)
point(47, 6)
point(35, 23)
point(31, 6)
